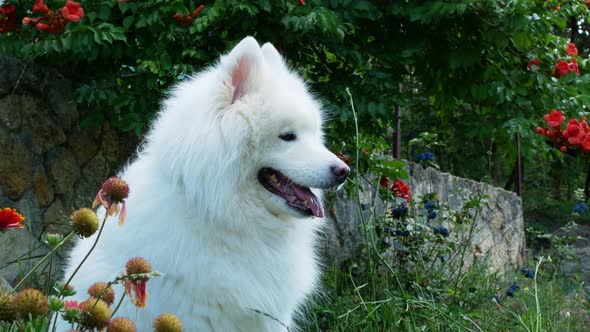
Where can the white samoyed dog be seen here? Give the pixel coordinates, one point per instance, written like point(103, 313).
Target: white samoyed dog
point(225, 200)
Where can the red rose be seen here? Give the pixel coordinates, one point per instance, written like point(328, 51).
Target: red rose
point(187, 19)
point(563, 148)
point(384, 181)
point(574, 133)
point(8, 18)
point(571, 49)
point(72, 11)
point(573, 67)
point(197, 11)
point(586, 144)
point(561, 68)
point(42, 26)
point(551, 134)
point(39, 6)
point(7, 10)
point(540, 131)
point(554, 119)
point(534, 64)
point(401, 189)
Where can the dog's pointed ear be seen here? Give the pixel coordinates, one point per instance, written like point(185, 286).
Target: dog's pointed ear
point(272, 56)
point(242, 65)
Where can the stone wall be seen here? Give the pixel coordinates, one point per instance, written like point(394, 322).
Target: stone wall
point(499, 233)
point(49, 164)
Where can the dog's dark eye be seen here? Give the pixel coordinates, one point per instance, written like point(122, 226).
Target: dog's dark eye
point(288, 137)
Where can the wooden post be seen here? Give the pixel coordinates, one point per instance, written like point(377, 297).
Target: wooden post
point(518, 167)
point(397, 134)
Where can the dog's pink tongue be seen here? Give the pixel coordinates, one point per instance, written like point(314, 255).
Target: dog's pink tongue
point(305, 194)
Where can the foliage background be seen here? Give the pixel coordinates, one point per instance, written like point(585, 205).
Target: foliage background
point(456, 68)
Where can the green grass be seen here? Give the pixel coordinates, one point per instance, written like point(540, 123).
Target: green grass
point(356, 299)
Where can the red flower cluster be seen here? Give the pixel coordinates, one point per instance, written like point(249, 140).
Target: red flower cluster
point(535, 64)
point(571, 49)
point(399, 188)
point(562, 67)
point(188, 18)
point(54, 22)
point(575, 136)
point(8, 18)
point(72, 11)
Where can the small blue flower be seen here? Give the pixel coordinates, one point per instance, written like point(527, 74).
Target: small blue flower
point(401, 210)
point(425, 156)
point(528, 273)
point(432, 215)
point(430, 205)
point(441, 230)
point(402, 232)
point(429, 156)
point(396, 232)
point(580, 207)
point(513, 288)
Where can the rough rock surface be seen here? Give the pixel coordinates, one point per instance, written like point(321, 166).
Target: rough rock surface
point(46, 164)
point(499, 233)
point(51, 165)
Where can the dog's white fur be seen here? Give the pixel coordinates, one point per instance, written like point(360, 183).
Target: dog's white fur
point(227, 247)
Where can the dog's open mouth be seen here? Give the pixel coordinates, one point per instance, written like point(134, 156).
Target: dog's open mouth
point(298, 197)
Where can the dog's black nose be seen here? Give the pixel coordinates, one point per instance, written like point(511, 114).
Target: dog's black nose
point(340, 172)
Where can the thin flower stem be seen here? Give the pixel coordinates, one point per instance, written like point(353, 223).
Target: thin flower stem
point(537, 304)
point(468, 241)
point(49, 272)
point(118, 304)
point(358, 190)
point(87, 255)
point(43, 260)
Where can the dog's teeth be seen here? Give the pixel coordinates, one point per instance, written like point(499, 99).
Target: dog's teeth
point(273, 179)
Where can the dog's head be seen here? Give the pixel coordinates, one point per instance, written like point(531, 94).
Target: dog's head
point(286, 135)
point(261, 126)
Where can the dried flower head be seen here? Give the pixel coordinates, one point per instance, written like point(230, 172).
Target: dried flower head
point(101, 290)
point(31, 302)
point(138, 265)
point(95, 313)
point(121, 324)
point(84, 222)
point(7, 309)
point(113, 193)
point(167, 323)
point(136, 288)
